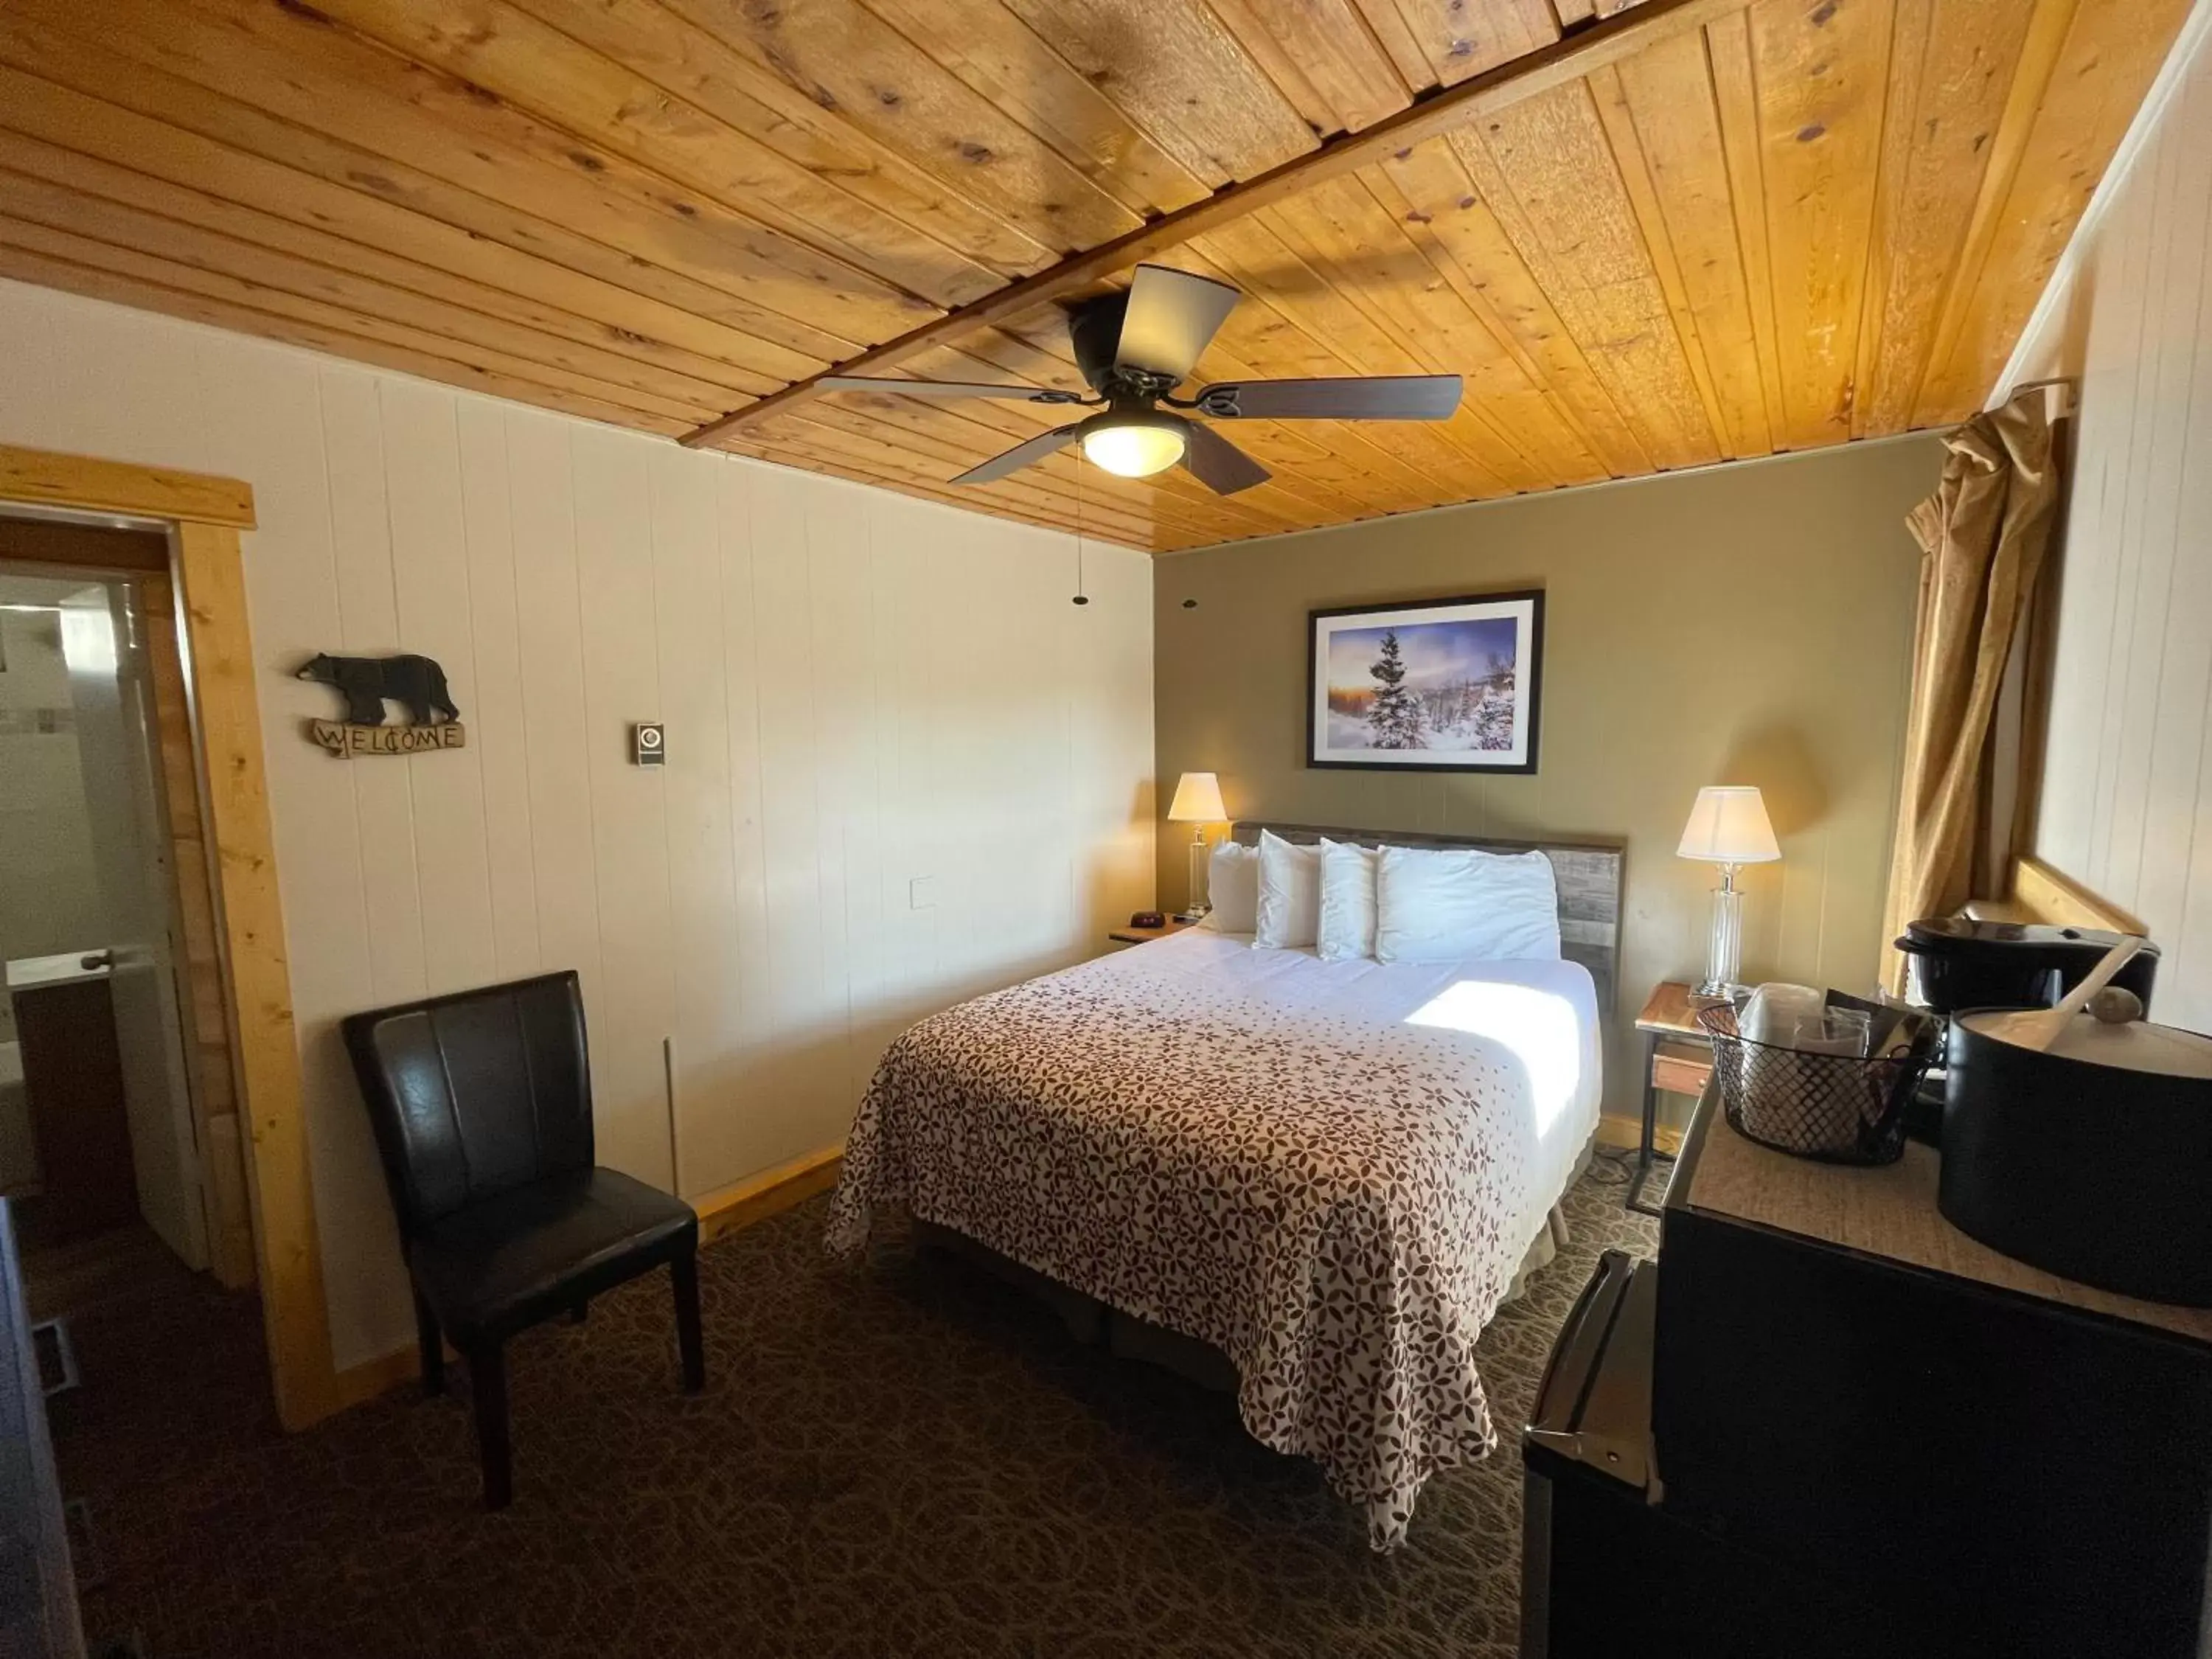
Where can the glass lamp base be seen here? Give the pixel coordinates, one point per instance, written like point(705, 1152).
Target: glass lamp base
point(1724, 943)
point(1195, 899)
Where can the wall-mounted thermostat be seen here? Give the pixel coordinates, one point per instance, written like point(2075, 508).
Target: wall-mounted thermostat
point(648, 746)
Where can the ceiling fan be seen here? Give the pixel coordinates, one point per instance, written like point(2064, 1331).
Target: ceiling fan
point(1134, 348)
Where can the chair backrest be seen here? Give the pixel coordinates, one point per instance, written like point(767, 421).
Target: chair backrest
point(475, 1093)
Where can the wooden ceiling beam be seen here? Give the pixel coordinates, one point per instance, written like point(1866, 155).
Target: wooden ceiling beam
point(1570, 59)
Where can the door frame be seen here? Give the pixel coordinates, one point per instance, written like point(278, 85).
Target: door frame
point(202, 518)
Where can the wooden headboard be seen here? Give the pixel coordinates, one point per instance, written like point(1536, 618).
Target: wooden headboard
point(1589, 874)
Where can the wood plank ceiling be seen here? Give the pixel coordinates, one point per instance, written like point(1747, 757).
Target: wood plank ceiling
point(1751, 228)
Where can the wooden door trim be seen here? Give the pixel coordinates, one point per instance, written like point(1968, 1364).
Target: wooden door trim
point(204, 516)
point(43, 477)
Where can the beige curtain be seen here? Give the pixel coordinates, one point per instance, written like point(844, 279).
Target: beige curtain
point(1982, 534)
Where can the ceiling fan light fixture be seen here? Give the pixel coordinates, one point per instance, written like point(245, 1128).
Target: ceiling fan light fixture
point(1133, 449)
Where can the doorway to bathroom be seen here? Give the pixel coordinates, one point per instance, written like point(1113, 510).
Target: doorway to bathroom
point(118, 1145)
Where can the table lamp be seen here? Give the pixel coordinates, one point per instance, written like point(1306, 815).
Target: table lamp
point(1198, 802)
point(1727, 826)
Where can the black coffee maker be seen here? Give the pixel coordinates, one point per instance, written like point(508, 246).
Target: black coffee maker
point(1954, 965)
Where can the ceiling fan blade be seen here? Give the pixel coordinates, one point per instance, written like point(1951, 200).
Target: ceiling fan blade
point(1036, 449)
point(1357, 398)
point(1171, 315)
point(1032, 394)
point(1219, 464)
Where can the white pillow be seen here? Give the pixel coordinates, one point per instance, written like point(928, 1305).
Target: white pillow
point(1232, 887)
point(1347, 902)
point(1289, 894)
point(1455, 904)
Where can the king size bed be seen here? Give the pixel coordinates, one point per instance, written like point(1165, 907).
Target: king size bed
point(1329, 1171)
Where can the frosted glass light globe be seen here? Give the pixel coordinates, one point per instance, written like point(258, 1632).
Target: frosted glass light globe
point(1133, 452)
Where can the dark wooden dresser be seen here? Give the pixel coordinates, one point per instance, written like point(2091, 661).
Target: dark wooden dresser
point(1853, 1429)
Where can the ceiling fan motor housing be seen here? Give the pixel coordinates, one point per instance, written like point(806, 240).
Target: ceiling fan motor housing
point(1095, 329)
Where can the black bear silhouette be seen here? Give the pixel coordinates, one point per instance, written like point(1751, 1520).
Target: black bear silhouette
point(366, 682)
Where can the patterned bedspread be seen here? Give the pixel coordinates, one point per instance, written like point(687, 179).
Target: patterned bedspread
point(1335, 1204)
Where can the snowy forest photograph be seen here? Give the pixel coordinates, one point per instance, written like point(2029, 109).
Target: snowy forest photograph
point(1447, 686)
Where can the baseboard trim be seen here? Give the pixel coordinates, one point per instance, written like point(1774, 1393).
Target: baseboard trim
point(727, 1210)
point(1628, 1131)
point(770, 1193)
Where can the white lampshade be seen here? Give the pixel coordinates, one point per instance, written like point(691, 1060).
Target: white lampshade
point(1729, 825)
point(1198, 800)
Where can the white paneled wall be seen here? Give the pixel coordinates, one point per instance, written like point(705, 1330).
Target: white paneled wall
point(2127, 799)
point(902, 766)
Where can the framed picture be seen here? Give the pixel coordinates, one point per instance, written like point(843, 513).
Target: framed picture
point(1439, 685)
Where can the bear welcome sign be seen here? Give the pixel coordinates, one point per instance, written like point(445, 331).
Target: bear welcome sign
point(346, 739)
point(367, 683)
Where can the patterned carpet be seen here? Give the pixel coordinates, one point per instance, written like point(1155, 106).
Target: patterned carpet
point(910, 1459)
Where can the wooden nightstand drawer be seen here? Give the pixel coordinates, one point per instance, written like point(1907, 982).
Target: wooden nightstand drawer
point(1681, 1071)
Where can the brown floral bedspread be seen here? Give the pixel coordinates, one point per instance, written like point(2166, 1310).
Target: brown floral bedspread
point(1328, 1202)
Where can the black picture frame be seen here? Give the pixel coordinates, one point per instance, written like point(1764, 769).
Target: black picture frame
point(1473, 715)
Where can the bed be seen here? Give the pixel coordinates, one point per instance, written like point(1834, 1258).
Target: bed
point(1331, 1172)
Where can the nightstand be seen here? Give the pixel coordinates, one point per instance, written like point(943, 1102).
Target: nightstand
point(1677, 1058)
point(1128, 935)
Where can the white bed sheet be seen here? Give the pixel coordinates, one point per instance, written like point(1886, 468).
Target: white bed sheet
point(1545, 1014)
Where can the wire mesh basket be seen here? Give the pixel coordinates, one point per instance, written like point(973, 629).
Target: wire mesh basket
point(1838, 1108)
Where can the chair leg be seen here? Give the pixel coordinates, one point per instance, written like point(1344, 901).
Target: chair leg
point(432, 1346)
point(683, 1275)
point(487, 1392)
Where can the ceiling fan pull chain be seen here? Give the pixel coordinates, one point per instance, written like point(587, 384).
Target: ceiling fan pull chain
point(1081, 597)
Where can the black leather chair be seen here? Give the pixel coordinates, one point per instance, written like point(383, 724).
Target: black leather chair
point(482, 1103)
